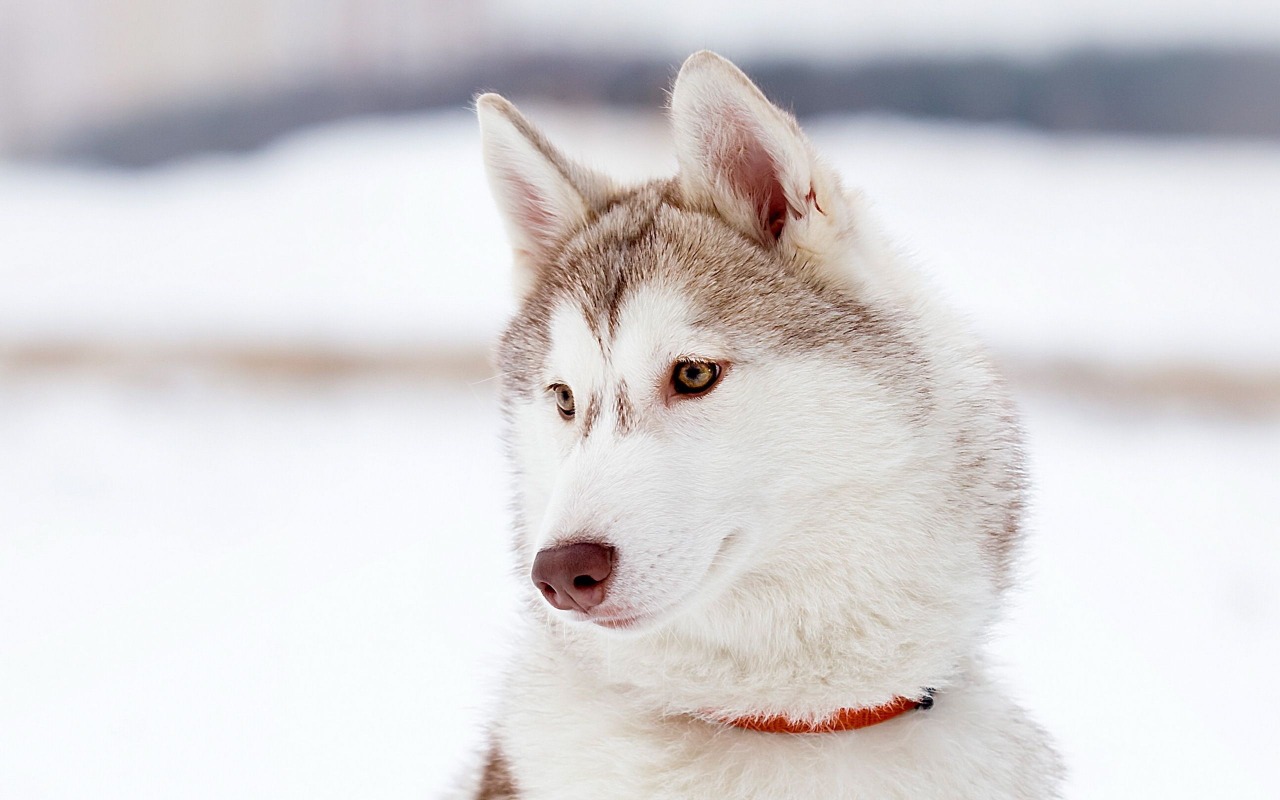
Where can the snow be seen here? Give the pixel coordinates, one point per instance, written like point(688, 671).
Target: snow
point(1148, 630)
point(222, 591)
point(226, 587)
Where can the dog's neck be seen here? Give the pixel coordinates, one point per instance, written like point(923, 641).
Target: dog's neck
point(806, 669)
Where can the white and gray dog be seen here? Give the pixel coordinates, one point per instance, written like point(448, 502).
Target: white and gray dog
point(768, 491)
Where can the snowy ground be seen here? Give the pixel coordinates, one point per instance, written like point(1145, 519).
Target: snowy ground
point(214, 591)
point(214, 586)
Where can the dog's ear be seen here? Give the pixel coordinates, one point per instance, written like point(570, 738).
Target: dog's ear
point(542, 195)
point(744, 158)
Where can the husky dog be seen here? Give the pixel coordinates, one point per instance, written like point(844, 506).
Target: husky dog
point(767, 491)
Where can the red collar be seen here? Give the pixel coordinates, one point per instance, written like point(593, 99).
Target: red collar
point(845, 719)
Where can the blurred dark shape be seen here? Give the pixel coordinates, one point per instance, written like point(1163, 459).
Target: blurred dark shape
point(1191, 92)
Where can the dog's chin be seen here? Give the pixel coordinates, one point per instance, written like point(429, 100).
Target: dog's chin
point(621, 620)
point(614, 623)
point(625, 624)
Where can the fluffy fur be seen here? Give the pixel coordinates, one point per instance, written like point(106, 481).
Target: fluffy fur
point(831, 526)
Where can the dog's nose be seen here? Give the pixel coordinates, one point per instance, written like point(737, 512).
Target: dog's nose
point(573, 576)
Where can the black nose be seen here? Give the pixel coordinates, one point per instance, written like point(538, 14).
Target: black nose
point(573, 576)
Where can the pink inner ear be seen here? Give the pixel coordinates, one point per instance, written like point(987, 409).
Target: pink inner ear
point(752, 173)
point(531, 209)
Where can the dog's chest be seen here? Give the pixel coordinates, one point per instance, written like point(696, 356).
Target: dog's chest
point(640, 761)
point(681, 764)
point(562, 736)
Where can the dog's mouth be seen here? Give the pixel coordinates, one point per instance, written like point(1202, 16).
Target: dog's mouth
point(619, 623)
point(620, 613)
point(616, 618)
point(625, 619)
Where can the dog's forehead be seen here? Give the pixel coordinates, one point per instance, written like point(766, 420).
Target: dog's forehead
point(647, 252)
point(652, 323)
point(647, 275)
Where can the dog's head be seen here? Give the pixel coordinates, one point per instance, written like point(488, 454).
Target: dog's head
point(726, 402)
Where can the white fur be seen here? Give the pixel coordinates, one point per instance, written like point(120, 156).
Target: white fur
point(797, 541)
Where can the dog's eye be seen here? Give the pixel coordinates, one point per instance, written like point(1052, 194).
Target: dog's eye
point(694, 377)
point(564, 400)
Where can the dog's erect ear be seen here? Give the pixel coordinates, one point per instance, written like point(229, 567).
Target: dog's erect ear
point(542, 195)
point(743, 157)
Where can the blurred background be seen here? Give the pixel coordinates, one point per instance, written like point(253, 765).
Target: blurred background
point(252, 503)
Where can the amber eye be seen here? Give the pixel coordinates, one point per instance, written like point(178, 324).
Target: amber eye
point(564, 399)
point(694, 377)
